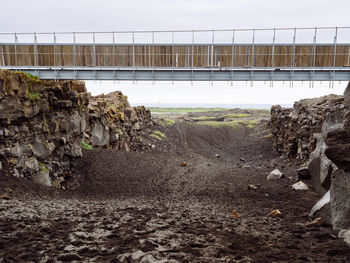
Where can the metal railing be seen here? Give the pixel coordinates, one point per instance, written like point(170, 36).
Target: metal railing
point(212, 50)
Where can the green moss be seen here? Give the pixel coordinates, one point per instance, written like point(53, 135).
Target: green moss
point(238, 115)
point(28, 75)
point(235, 124)
point(43, 167)
point(86, 146)
point(158, 135)
point(33, 95)
point(221, 124)
point(167, 122)
point(253, 122)
point(114, 107)
point(183, 110)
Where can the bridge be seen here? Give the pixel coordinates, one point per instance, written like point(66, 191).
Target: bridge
point(278, 54)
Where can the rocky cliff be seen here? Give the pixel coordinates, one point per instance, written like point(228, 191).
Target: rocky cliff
point(45, 124)
point(318, 131)
point(293, 129)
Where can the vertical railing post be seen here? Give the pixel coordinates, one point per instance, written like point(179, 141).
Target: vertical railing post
point(212, 58)
point(334, 56)
point(133, 57)
point(192, 57)
point(252, 60)
point(74, 56)
point(113, 64)
point(291, 82)
point(35, 53)
point(55, 56)
point(313, 58)
point(172, 56)
point(153, 81)
point(232, 55)
point(273, 57)
point(94, 59)
point(16, 58)
point(2, 57)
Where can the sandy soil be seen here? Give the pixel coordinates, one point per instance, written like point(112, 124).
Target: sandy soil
point(147, 207)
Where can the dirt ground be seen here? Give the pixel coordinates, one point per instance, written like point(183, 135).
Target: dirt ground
point(151, 207)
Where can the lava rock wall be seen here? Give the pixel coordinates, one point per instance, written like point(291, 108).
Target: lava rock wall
point(45, 124)
point(293, 129)
point(317, 132)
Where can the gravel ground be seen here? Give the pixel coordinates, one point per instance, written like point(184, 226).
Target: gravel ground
point(173, 203)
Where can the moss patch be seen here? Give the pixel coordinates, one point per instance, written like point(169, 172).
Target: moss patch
point(33, 95)
point(86, 146)
point(158, 135)
point(43, 167)
point(221, 124)
point(167, 122)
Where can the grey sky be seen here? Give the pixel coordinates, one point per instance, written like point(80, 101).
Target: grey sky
point(101, 15)
point(108, 15)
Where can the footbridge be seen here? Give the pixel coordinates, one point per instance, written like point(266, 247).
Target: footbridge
point(277, 54)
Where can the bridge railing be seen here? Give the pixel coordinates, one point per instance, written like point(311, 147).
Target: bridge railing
point(236, 48)
point(231, 49)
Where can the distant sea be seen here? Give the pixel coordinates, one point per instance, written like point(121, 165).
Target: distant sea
point(210, 105)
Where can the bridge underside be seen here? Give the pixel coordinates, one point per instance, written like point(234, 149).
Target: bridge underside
point(161, 74)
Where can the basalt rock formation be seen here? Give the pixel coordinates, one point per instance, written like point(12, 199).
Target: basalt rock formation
point(318, 131)
point(337, 140)
point(45, 124)
point(294, 129)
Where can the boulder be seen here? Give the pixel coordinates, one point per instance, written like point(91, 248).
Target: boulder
point(11, 108)
point(347, 96)
point(320, 169)
point(74, 151)
point(345, 234)
point(19, 150)
point(322, 209)
point(100, 134)
point(300, 186)
point(41, 149)
point(75, 123)
point(340, 199)
point(274, 175)
point(338, 142)
point(42, 178)
point(31, 165)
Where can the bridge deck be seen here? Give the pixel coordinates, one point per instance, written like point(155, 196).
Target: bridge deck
point(178, 56)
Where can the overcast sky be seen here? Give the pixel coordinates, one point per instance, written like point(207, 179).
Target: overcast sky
point(115, 15)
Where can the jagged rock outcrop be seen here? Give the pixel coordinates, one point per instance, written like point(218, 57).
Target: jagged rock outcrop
point(113, 123)
point(337, 139)
point(294, 129)
point(319, 129)
point(44, 123)
point(38, 125)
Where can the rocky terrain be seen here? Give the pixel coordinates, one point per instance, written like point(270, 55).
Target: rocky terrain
point(317, 131)
point(198, 188)
point(294, 128)
point(45, 124)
